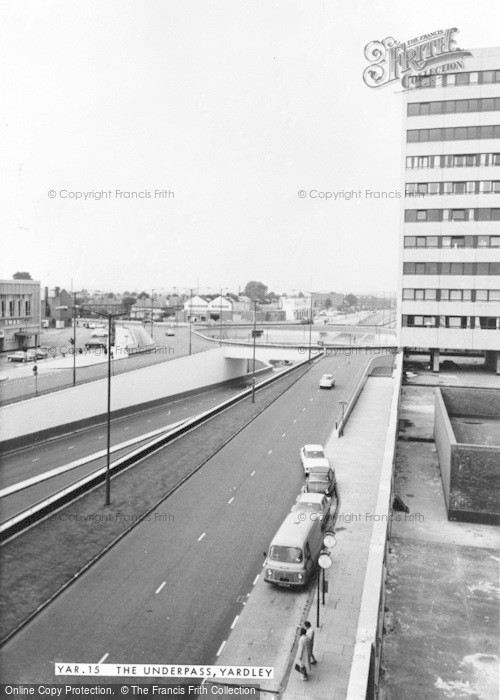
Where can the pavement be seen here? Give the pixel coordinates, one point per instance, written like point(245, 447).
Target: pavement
point(442, 609)
point(257, 640)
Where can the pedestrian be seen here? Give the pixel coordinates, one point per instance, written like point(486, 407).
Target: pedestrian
point(310, 642)
point(302, 665)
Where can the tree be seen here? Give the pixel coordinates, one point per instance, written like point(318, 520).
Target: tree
point(143, 295)
point(21, 276)
point(328, 303)
point(255, 290)
point(128, 302)
point(351, 300)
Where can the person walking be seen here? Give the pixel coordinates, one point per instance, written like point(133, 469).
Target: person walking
point(302, 664)
point(310, 642)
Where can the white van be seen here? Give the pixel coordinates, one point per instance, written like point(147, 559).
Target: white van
point(293, 554)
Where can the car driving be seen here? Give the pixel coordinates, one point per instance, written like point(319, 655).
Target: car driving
point(320, 480)
point(327, 381)
point(313, 456)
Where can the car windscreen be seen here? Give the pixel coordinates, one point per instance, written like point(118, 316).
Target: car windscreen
point(318, 477)
point(315, 454)
point(309, 507)
point(290, 555)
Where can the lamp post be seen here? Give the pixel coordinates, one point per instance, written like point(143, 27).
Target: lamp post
point(74, 308)
point(190, 316)
point(254, 341)
point(110, 318)
point(343, 405)
point(311, 325)
point(220, 316)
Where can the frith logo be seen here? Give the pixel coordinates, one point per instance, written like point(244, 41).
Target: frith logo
point(428, 54)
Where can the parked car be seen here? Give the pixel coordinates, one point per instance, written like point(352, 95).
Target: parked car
point(22, 356)
point(170, 332)
point(99, 334)
point(313, 506)
point(327, 381)
point(313, 456)
point(320, 480)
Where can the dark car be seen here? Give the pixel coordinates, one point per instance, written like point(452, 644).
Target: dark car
point(320, 480)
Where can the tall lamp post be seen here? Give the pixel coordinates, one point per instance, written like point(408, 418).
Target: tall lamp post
point(254, 334)
point(74, 308)
point(220, 315)
point(190, 316)
point(110, 318)
point(311, 325)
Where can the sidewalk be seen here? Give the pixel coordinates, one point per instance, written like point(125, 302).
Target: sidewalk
point(357, 458)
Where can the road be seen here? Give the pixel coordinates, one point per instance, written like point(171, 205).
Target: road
point(170, 590)
point(34, 460)
point(16, 388)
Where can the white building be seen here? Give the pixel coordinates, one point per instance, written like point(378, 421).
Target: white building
point(450, 281)
point(296, 308)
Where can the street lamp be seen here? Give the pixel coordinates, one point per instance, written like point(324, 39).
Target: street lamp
point(311, 325)
point(190, 316)
point(74, 307)
point(110, 318)
point(254, 334)
point(220, 319)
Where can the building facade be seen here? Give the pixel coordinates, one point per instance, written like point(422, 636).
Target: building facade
point(450, 281)
point(19, 314)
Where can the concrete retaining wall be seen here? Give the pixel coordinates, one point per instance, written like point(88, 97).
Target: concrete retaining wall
point(141, 386)
point(470, 473)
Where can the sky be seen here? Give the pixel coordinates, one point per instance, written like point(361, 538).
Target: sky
point(227, 107)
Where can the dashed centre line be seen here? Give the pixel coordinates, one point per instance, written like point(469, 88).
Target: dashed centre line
point(255, 579)
point(221, 648)
point(160, 587)
point(36, 459)
point(201, 536)
point(101, 661)
point(230, 500)
point(235, 621)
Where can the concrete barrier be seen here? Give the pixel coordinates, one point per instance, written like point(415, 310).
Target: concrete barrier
point(79, 404)
point(365, 668)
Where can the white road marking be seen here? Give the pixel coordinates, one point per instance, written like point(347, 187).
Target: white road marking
point(255, 580)
point(101, 661)
point(230, 500)
point(149, 420)
point(36, 459)
point(221, 648)
point(160, 587)
point(283, 435)
point(252, 473)
point(72, 447)
point(201, 536)
point(101, 437)
point(127, 428)
point(303, 409)
point(312, 399)
point(269, 452)
point(234, 622)
point(295, 420)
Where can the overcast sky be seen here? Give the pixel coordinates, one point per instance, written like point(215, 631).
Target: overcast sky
point(233, 106)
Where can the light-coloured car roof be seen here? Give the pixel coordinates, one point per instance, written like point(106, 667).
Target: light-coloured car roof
point(313, 447)
point(310, 498)
point(327, 376)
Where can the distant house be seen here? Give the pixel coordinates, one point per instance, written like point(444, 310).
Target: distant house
point(296, 308)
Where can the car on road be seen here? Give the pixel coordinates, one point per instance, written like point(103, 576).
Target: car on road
point(313, 456)
point(99, 334)
point(313, 506)
point(170, 332)
point(320, 480)
point(327, 381)
point(22, 356)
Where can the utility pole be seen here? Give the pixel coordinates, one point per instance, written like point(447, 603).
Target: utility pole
point(310, 326)
point(152, 303)
point(190, 317)
point(254, 341)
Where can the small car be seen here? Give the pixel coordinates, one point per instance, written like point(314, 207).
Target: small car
point(313, 456)
point(170, 332)
point(99, 334)
point(313, 505)
point(41, 353)
point(320, 480)
point(22, 356)
point(327, 381)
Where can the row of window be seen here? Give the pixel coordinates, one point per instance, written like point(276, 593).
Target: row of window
point(459, 160)
point(453, 133)
point(480, 295)
point(480, 214)
point(482, 104)
point(470, 322)
point(451, 268)
point(452, 241)
point(481, 77)
point(461, 187)
point(15, 308)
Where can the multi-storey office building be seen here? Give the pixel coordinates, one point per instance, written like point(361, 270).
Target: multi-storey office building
point(19, 314)
point(450, 282)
